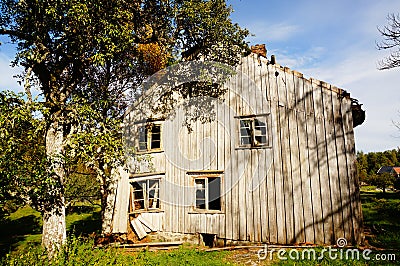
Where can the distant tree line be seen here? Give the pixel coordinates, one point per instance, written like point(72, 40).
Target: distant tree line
point(368, 165)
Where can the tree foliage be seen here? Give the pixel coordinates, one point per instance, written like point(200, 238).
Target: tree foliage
point(87, 58)
point(23, 176)
point(369, 164)
point(391, 42)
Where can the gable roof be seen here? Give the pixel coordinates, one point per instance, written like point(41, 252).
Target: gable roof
point(397, 170)
point(389, 169)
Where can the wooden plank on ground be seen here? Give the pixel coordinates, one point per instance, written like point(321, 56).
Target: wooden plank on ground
point(138, 228)
point(146, 223)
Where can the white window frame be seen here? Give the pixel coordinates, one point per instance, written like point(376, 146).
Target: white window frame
point(206, 179)
point(146, 192)
point(149, 137)
point(253, 131)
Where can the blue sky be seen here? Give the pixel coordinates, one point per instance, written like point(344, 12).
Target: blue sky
point(334, 41)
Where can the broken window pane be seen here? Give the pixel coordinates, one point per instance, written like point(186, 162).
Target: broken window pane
point(260, 132)
point(142, 138)
point(245, 132)
point(149, 137)
point(253, 131)
point(138, 195)
point(154, 201)
point(200, 185)
point(146, 194)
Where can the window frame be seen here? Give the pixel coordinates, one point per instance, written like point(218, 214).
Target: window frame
point(252, 132)
point(207, 209)
point(148, 140)
point(146, 192)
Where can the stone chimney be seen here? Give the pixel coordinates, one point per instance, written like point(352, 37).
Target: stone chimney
point(259, 49)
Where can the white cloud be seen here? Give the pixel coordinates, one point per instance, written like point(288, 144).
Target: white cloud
point(299, 61)
point(7, 81)
point(263, 30)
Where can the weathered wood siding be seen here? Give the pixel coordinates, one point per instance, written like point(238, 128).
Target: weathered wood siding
point(301, 188)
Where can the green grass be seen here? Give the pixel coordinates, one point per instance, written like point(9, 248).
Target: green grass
point(80, 251)
point(21, 236)
point(381, 212)
point(22, 229)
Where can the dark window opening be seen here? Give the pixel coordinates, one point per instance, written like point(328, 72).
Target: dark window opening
point(150, 137)
point(208, 193)
point(156, 137)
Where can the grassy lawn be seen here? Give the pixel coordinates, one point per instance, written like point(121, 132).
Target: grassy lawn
point(381, 213)
point(23, 227)
point(21, 236)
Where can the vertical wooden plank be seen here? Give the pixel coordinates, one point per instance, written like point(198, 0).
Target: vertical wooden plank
point(188, 189)
point(246, 99)
point(213, 141)
point(261, 220)
point(299, 234)
point(251, 94)
point(295, 167)
point(313, 163)
point(284, 92)
point(221, 150)
point(305, 180)
point(178, 221)
point(184, 166)
point(236, 208)
point(167, 186)
point(228, 159)
point(278, 160)
point(337, 217)
point(242, 157)
point(353, 179)
point(242, 204)
point(271, 185)
point(120, 221)
point(342, 165)
point(323, 162)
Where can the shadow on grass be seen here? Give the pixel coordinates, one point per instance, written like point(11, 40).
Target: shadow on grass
point(24, 227)
point(14, 231)
point(381, 213)
point(86, 225)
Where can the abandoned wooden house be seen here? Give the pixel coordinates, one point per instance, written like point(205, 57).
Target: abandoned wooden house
point(276, 165)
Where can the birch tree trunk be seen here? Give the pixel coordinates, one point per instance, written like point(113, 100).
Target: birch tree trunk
point(54, 228)
point(108, 194)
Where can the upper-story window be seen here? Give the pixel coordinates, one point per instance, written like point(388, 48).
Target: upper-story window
point(150, 137)
point(253, 131)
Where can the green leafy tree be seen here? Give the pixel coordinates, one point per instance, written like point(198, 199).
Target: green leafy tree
point(383, 180)
point(84, 56)
point(23, 175)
